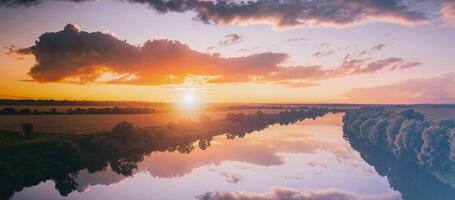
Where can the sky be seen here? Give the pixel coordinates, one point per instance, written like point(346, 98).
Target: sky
point(229, 51)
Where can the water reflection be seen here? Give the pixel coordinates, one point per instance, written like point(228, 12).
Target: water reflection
point(284, 193)
point(123, 149)
point(308, 154)
point(411, 181)
point(271, 160)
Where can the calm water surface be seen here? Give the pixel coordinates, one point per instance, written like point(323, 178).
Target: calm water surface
point(310, 158)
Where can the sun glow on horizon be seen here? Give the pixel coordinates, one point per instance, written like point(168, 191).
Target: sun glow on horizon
point(188, 101)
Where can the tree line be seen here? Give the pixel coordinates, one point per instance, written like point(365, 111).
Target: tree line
point(77, 111)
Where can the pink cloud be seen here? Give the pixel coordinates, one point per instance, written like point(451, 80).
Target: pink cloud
point(439, 89)
point(448, 12)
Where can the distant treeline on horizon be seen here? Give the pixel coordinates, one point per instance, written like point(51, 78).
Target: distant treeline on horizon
point(52, 102)
point(212, 106)
point(76, 111)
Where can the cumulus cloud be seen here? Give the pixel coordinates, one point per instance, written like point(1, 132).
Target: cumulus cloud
point(448, 11)
point(439, 89)
point(284, 193)
point(84, 57)
point(284, 13)
point(77, 56)
point(230, 39)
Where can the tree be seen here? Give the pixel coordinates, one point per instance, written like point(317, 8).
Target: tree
point(9, 111)
point(27, 129)
point(68, 151)
point(25, 111)
point(124, 131)
point(65, 184)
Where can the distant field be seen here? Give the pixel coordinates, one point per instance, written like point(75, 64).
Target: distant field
point(438, 113)
point(435, 113)
point(97, 123)
point(63, 108)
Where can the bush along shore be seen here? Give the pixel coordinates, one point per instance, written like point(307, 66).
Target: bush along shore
point(30, 158)
point(408, 136)
point(412, 181)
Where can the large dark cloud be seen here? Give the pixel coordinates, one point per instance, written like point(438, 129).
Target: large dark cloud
point(77, 56)
point(283, 13)
point(84, 56)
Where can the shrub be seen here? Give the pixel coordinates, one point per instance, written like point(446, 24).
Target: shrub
point(25, 111)
point(68, 151)
point(27, 129)
point(125, 131)
point(9, 111)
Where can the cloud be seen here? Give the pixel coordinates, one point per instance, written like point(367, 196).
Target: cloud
point(320, 54)
point(292, 13)
point(230, 39)
point(394, 63)
point(297, 39)
point(317, 164)
point(296, 84)
point(75, 56)
point(282, 14)
point(229, 177)
point(448, 11)
point(324, 50)
point(84, 57)
point(85, 180)
point(348, 67)
point(373, 49)
point(284, 193)
point(406, 65)
point(439, 89)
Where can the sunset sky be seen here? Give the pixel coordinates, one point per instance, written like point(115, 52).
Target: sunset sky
point(261, 51)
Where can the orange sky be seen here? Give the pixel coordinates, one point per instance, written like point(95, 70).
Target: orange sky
point(170, 55)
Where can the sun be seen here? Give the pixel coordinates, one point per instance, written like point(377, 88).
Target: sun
point(188, 101)
point(189, 98)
